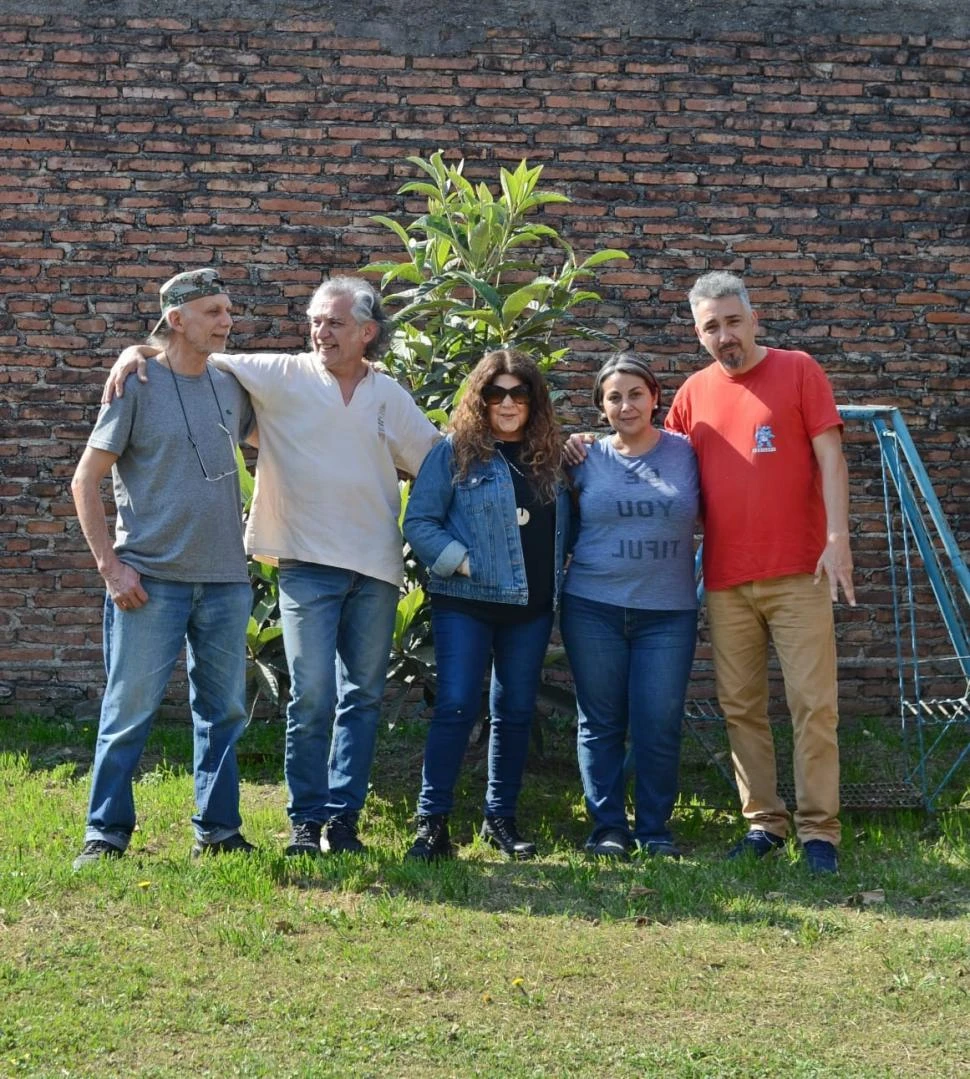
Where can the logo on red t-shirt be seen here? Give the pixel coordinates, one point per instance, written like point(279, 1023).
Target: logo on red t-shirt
point(764, 439)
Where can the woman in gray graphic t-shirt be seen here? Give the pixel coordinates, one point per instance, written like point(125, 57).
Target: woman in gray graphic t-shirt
point(629, 615)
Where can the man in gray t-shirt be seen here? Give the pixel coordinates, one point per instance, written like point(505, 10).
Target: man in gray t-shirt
point(176, 570)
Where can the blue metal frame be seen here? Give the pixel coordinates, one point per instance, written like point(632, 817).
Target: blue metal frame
point(893, 436)
point(923, 524)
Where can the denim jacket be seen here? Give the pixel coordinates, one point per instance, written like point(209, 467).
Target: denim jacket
point(476, 516)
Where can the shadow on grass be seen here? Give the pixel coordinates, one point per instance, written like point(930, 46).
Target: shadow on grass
point(920, 874)
point(780, 893)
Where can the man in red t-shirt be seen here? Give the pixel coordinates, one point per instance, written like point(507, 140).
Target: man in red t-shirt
point(775, 502)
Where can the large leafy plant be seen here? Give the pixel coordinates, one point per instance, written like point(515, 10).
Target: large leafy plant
point(479, 273)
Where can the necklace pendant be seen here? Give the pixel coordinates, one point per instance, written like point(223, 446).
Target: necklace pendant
point(522, 516)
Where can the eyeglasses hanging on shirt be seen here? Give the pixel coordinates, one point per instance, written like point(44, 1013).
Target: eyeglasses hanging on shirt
point(222, 427)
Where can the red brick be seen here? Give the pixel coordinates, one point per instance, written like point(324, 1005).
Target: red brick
point(383, 62)
point(827, 169)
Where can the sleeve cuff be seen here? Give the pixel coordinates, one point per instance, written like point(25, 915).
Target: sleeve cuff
point(450, 559)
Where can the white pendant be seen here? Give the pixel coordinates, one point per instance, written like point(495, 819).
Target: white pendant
point(522, 515)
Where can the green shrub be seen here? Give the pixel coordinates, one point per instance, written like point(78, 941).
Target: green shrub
point(478, 275)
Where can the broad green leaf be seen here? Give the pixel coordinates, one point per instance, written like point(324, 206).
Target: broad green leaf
point(460, 184)
point(479, 315)
point(406, 271)
point(418, 187)
point(404, 487)
point(390, 223)
point(269, 633)
point(541, 198)
point(509, 187)
point(433, 167)
point(480, 242)
point(602, 256)
point(533, 234)
point(379, 267)
point(519, 300)
point(588, 296)
point(408, 606)
point(247, 482)
point(482, 288)
point(264, 608)
point(268, 682)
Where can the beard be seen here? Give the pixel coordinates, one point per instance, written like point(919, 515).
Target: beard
point(731, 358)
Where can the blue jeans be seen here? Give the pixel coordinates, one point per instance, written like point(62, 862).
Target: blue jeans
point(463, 646)
point(140, 649)
point(337, 630)
point(631, 669)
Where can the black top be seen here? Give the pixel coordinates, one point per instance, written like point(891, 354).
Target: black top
point(537, 531)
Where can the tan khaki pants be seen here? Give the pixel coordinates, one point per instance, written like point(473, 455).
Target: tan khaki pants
point(796, 614)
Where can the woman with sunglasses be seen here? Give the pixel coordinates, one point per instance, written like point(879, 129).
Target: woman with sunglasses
point(629, 614)
point(488, 516)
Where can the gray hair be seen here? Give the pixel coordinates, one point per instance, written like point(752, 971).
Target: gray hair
point(366, 307)
point(715, 286)
point(161, 335)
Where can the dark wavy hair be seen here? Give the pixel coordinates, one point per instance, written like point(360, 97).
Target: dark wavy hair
point(472, 435)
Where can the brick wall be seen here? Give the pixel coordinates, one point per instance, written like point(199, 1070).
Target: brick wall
point(828, 163)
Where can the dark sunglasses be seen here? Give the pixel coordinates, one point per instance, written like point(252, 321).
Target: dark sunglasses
point(493, 395)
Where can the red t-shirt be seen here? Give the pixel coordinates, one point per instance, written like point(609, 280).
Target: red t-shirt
point(761, 494)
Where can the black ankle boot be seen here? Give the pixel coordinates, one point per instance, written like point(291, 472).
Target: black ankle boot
point(432, 841)
point(501, 832)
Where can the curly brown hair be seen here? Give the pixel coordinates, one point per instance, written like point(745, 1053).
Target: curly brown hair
point(472, 435)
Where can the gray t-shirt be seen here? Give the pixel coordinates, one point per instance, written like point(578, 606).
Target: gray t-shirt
point(636, 527)
point(172, 522)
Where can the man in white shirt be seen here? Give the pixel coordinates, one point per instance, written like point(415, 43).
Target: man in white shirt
point(333, 434)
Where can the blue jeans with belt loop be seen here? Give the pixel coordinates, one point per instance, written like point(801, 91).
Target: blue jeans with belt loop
point(337, 631)
point(463, 646)
point(141, 648)
point(631, 669)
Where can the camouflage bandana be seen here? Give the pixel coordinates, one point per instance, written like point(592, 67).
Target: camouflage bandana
point(184, 287)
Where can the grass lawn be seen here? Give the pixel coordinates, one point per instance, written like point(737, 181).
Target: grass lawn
point(157, 965)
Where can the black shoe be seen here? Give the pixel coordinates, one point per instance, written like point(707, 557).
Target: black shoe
point(432, 843)
point(757, 843)
point(340, 836)
point(821, 855)
point(305, 838)
point(611, 844)
point(660, 848)
point(96, 850)
point(502, 833)
point(233, 844)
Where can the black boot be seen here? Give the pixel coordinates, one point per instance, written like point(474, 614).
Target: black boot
point(501, 832)
point(432, 841)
